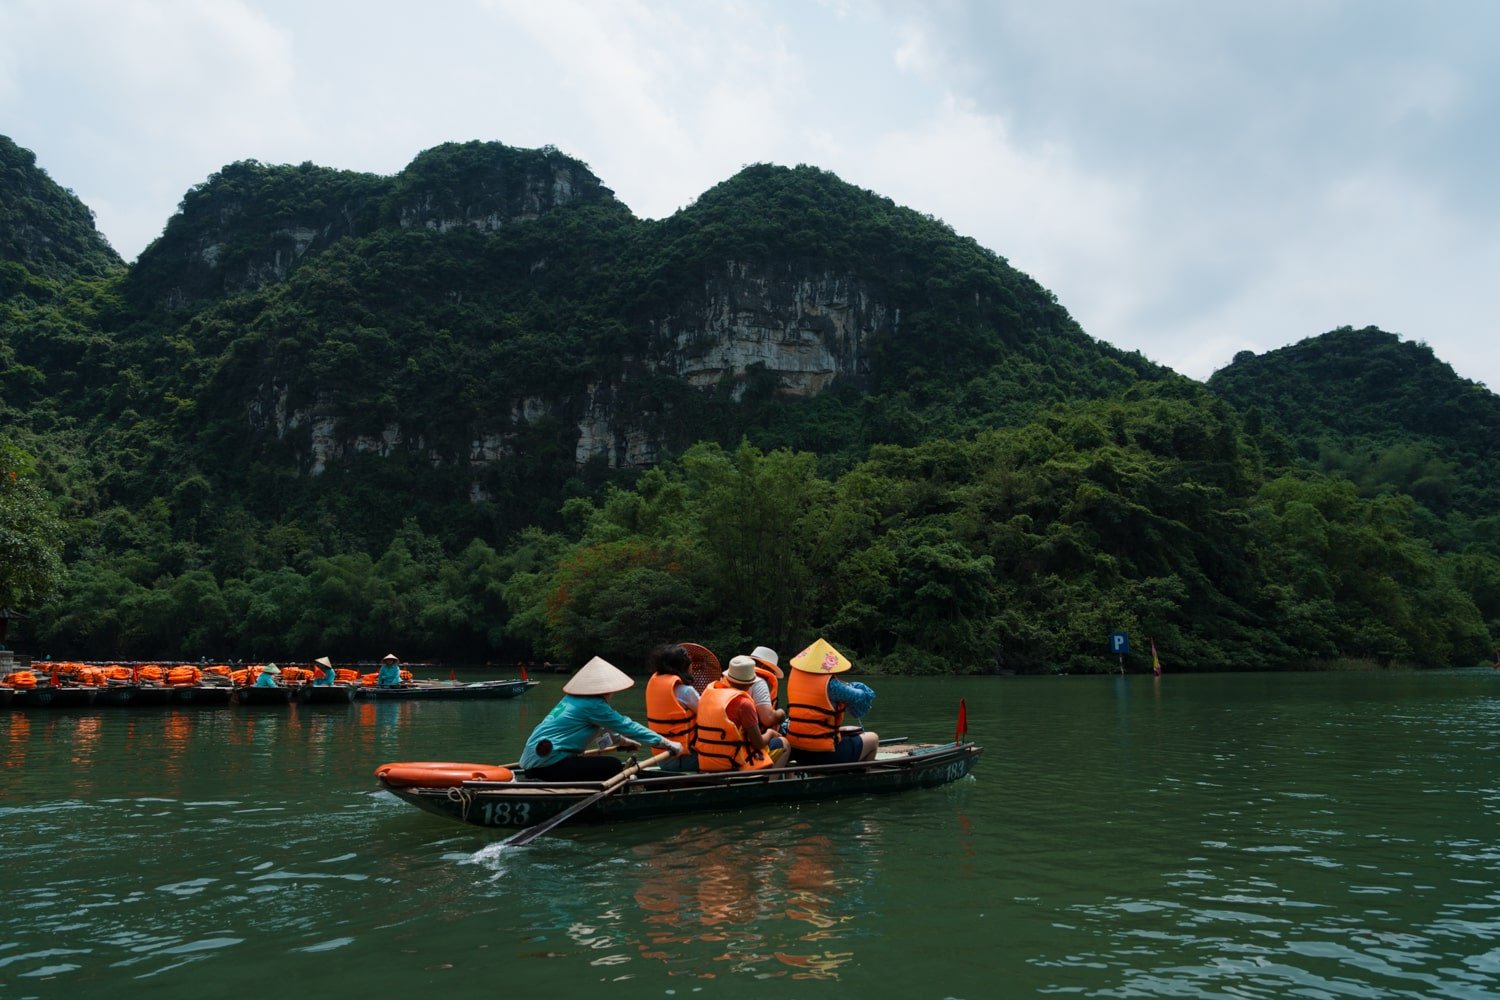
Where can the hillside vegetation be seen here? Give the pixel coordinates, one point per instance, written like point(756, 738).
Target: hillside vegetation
point(338, 413)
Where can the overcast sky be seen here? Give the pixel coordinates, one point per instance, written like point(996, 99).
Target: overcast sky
point(1191, 178)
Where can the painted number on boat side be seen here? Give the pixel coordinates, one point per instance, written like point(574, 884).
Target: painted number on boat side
point(506, 813)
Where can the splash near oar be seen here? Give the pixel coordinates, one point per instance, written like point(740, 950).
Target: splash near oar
point(1155, 660)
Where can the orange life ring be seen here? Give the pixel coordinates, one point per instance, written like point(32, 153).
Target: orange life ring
point(444, 774)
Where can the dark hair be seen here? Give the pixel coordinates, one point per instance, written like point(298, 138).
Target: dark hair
point(670, 658)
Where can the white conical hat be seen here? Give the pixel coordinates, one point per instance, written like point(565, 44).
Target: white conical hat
point(323, 661)
point(598, 676)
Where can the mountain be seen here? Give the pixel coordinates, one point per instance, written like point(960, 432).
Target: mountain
point(44, 228)
point(494, 322)
point(1384, 412)
point(479, 408)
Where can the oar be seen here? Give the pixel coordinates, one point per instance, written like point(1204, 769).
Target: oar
point(529, 834)
point(894, 739)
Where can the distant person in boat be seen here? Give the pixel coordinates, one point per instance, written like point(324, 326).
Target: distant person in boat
point(816, 705)
point(554, 751)
point(767, 681)
point(322, 669)
point(672, 702)
point(269, 676)
point(390, 671)
point(730, 737)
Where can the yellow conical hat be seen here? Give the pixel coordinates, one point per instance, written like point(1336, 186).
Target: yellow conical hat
point(598, 676)
point(821, 658)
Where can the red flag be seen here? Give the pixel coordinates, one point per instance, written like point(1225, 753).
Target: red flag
point(963, 722)
point(452, 676)
point(1155, 661)
point(523, 673)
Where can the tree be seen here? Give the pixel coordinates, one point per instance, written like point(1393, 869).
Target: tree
point(30, 534)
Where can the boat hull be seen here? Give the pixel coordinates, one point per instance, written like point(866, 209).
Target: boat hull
point(256, 695)
point(135, 695)
point(203, 695)
point(46, 696)
point(442, 691)
point(329, 694)
point(521, 803)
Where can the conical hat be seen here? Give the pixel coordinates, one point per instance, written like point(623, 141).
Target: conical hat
point(390, 658)
point(323, 661)
point(598, 676)
point(820, 658)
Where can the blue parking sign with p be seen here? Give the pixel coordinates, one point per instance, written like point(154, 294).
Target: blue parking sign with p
point(1119, 643)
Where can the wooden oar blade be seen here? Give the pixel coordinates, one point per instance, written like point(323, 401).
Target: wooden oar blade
point(531, 833)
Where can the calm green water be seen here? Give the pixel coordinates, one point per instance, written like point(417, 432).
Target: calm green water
point(1230, 836)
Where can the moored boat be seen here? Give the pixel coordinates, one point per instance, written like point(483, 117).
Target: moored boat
point(255, 694)
point(6, 694)
point(202, 695)
point(453, 689)
point(651, 793)
point(116, 693)
point(48, 696)
point(329, 694)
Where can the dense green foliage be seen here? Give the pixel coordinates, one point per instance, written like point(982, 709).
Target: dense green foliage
point(46, 234)
point(336, 413)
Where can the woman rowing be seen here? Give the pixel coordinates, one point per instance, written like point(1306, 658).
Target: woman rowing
point(555, 749)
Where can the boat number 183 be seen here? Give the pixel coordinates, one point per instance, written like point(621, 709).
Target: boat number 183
point(506, 813)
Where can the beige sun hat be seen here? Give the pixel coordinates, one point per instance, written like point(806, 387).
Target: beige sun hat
point(272, 668)
point(766, 657)
point(390, 658)
point(598, 676)
point(323, 661)
point(741, 670)
point(821, 658)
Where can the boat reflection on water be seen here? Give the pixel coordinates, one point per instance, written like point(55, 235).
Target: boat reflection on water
point(744, 897)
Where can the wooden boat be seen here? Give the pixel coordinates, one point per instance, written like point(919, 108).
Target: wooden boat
point(47, 696)
point(202, 695)
point(329, 694)
point(135, 694)
point(254, 694)
point(453, 689)
point(652, 793)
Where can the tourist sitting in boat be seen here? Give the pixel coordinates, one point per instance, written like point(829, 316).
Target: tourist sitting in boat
point(390, 671)
point(729, 736)
point(269, 676)
point(763, 691)
point(555, 749)
point(322, 669)
point(816, 705)
point(672, 702)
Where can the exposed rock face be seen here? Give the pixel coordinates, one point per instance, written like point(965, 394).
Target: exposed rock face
point(503, 198)
point(808, 330)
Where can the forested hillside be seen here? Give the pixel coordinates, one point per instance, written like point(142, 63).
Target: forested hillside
point(478, 410)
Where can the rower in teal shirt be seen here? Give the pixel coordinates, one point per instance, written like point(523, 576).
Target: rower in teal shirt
point(390, 671)
point(269, 677)
point(553, 751)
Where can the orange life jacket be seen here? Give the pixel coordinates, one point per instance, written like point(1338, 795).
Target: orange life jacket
point(721, 745)
point(812, 720)
point(770, 680)
point(664, 713)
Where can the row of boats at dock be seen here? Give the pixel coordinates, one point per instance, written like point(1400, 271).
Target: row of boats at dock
point(189, 685)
